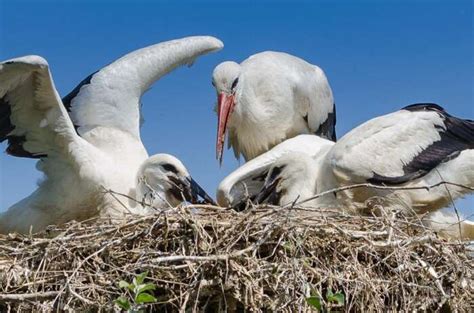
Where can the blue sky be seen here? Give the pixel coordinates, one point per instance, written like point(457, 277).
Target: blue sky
point(378, 55)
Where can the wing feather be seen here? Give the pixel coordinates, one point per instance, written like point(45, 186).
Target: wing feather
point(316, 102)
point(401, 146)
point(111, 96)
point(33, 119)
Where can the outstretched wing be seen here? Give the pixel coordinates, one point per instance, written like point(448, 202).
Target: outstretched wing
point(33, 119)
point(401, 146)
point(111, 96)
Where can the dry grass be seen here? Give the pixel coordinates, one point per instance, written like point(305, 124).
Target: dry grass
point(265, 258)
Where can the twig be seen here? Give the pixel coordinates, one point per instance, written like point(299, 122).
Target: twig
point(262, 259)
point(28, 296)
point(404, 242)
point(453, 204)
point(367, 185)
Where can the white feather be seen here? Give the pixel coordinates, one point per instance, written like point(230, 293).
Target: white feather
point(278, 96)
point(382, 145)
point(242, 182)
point(108, 153)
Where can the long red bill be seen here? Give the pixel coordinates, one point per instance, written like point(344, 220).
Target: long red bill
point(225, 105)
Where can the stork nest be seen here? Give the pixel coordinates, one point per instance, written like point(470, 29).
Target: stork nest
point(205, 259)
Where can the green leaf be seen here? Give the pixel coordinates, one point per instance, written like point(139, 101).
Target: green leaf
point(329, 294)
point(144, 298)
point(145, 287)
point(338, 298)
point(314, 302)
point(123, 284)
point(289, 247)
point(123, 303)
point(141, 278)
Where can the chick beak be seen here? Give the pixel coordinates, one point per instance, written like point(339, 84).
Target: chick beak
point(195, 191)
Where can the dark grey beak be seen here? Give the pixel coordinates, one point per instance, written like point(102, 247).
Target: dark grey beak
point(196, 191)
point(269, 193)
point(190, 190)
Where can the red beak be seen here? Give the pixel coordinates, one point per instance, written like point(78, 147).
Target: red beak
point(225, 105)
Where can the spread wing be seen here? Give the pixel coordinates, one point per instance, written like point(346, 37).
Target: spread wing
point(33, 120)
point(111, 96)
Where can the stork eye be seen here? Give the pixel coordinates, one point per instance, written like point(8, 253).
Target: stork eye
point(170, 168)
point(234, 84)
point(213, 84)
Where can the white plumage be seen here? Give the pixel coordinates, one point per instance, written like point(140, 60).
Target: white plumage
point(90, 140)
point(248, 180)
point(270, 97)
point(164, 182)
point(450, 225)
point(419, 145)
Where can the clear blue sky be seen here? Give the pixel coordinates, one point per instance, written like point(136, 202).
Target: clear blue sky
point(378, 56)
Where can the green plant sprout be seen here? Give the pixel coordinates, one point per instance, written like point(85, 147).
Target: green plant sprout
point(317, 302)
point(136, 295)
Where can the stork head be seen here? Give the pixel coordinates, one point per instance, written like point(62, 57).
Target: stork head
point(225, 79)
point(163, 180)
point(291, 178)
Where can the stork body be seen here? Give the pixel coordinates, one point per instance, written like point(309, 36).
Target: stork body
point(89, 141)
point(418, 146)
point(268, 98)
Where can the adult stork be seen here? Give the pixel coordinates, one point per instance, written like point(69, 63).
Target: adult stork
point(89, 141)
point(268, 98)
point(419, 145)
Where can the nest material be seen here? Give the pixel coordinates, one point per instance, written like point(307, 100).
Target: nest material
point(263, 259)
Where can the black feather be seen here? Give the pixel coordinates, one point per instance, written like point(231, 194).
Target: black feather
point(269, 193)
point(67, 100)
point(70, 96)
point(328, 128)
point(5, 124)
point(14, 143)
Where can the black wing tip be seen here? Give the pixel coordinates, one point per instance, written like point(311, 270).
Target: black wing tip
point(70, 96)
point(15, 148)
point(397, 180)
point(327, 129)
point(15, 143)
point(5, 124)
point(416, 107)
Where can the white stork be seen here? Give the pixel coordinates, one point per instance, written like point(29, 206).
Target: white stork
point(247, 181)
point(89, 141)
point(268, 98)
point(163, 181)
point(419, 145)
